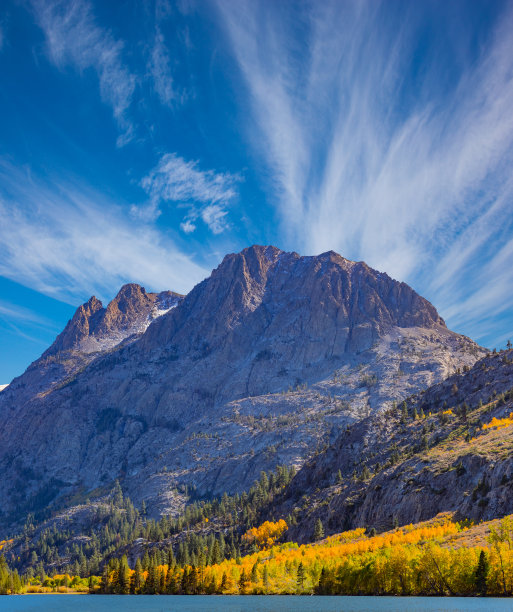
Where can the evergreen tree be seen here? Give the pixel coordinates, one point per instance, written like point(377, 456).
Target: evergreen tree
point(265, 577)
point(137, 582)
point(216, 553)
point(481, 574)
point(117, 495)
point(404, 413)
point(151, 581)
point(254, 573)
point(171, 582)
point(224, 582)
point(243, 581)
point(301, 575)
point(171, 561)
point(318, 533)
point(123, 581)
point(145, 561)
point(321, 587)
point(105, 580)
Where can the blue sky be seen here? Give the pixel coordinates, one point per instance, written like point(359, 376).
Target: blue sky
point(141, 141)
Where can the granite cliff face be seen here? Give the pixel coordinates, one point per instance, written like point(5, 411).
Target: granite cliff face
point(261, 364)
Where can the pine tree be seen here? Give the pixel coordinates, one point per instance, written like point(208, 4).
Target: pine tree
point(321, 587)
point(184, 585)
point(216, 553)
point(171, 582)
point(243, 581)
point(254, 573)
point(301, 575)
point(123, 582)
point(481, 574)
point(151, 581)
point(404, 413)
point(224, 583)
point(145, 561)
point(318, 533)
point(117, 494)
point(138, 577)
point(105, 582)
point(265, 577)
point(171, 561)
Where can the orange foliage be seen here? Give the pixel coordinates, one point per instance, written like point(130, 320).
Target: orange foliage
point(448, 413)
point(283, 560)
point(267, 534)
point(499, 423)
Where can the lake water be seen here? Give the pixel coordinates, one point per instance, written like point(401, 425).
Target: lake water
point(241, 603)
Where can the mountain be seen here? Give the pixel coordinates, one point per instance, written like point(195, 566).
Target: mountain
point(447, 449)
point(264, 363)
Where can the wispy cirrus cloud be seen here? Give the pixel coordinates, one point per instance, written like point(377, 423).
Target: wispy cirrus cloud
point(159, 64)
point(160, 69)
point(11, 313)
point(20, 313)
point(75, 39)
point(406, 167)
point(205, 194)
point(69, 242)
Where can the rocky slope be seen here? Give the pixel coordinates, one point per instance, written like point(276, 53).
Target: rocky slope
point(261, 364)
point(441, 451)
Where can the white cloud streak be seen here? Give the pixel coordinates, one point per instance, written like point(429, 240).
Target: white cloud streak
point(69, 242)
point(74, 39)
point(159, 65)
point(20, 313)
point(27, 318)
point(416, 182)
point(204, 193)
point(160, 68)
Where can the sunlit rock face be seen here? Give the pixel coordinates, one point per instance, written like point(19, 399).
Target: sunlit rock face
point(260, 364)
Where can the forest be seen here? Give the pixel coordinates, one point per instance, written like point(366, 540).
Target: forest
point(431, 558)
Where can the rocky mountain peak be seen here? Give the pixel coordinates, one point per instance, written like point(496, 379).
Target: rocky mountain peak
point(81, 325)
point(130, 304)
point(94, 327)
point(333, 305)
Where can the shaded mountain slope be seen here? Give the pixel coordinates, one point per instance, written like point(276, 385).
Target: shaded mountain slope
point(449, 448)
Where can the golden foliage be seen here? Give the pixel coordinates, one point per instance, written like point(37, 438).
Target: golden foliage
point(267, 534)
point(496, 423)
